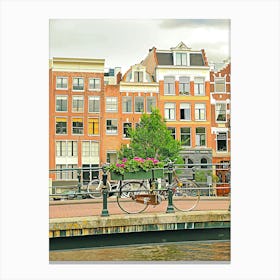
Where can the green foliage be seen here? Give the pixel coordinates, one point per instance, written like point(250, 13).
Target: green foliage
point(151, 139)
point(134, 165)
point(201, 176)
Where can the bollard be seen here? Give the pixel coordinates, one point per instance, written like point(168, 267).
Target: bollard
point(170, 208)
point(79, 184)
point(104, 212)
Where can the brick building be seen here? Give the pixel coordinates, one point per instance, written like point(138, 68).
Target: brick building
point(220, 87)
point(92, 107)
point(183, 76)
point(76, 100)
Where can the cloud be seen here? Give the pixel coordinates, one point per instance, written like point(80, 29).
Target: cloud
point(195, 23)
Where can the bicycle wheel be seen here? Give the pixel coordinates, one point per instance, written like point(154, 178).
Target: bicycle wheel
point(94, 188)
point(186, 195)
point(126, 197)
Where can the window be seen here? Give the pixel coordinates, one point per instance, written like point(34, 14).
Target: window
point(127, 104)
point(78, 104)
point(93, 126)
point(199, 86)
point(72, 148)
point(220, 85)
point(60, 174)
point(222, 142)
point(196, 59)
point(111, 157)
point(111, 104)
point(169, 111)
point(61, 126)
point(66, 148)
point(90, 149)
point(60, 148)
point(200, 112)
point(186, 136)
point(61, 83)
point(94, 84)
point(138, 76)
point(126, 127)
point(200, 136)
point(181, 59)
point(189, 163)
point(67, 174)
point(61, 103)
point(172, 131)
point(139, 104)
point(185, 111)
point(93, 104)
point(77, 126)
point(111, 126)
point(220, 112)
point(203, 162)
point(151, 103)
point(78, 83)
point(184, 85)
point(169, 85)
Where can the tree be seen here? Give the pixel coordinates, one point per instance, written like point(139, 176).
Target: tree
point(151, 139)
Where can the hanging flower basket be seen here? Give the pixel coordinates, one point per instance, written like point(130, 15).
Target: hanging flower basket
point(150, 174)
point(136, 168)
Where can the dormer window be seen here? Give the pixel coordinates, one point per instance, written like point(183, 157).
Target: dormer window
point(181, 59)
point(138, 76)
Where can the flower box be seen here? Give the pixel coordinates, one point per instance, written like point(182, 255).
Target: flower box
point(153, 173)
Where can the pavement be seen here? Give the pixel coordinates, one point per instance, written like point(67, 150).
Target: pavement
point(93, 207)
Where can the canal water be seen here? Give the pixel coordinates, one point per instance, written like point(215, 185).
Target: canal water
point(173, 251)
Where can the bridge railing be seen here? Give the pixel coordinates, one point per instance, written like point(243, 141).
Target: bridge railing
point(212, 179)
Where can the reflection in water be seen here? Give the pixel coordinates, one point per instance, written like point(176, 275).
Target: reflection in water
point(181, 251)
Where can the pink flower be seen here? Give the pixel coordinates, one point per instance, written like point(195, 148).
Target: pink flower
point(120, 165)
point(124, 160)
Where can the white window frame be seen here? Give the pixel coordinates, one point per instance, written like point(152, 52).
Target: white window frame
point(94, 89)
point(218, 151)
point(224, 83)
point(66, 126)
point(63, 97)
point(78, 98)
point(184, 80)
point(190, 134)
point(143, 99)
point(186, 106)
point(111, 104)
point(170, 107)
point(124, 102)
point(216, 112)
point(179, 62)
point(61, 77)
point(108, 131)
point(83, 127)
point(199, 86)
point(167, 83)
point(83, 84)
point(198, 137)
point(94, 98)
point(198, 111)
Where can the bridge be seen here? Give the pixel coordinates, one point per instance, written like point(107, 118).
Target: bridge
point(79, 224)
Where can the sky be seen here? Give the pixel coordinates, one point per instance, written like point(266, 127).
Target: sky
point(125, 42)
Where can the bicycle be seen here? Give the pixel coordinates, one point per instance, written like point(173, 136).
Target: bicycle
point(94, 187)
point(141, 194)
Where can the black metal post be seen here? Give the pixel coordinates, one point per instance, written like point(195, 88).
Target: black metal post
point(170, 208)
point(104, 212)
point(79, 196)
